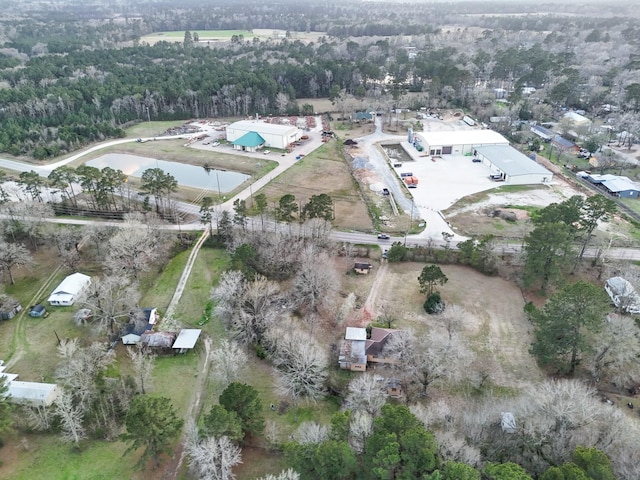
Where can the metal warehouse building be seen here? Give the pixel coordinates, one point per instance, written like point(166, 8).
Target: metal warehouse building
point(459, 142)
point(250, 135)
point(515, 168)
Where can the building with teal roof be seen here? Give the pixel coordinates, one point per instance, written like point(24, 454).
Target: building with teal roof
point(251, 135)
point(249, 142)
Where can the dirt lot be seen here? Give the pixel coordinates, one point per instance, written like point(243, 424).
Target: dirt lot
point(478, 214)
point(493, 319)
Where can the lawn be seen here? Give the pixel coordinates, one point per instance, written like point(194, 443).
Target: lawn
point(323, 171)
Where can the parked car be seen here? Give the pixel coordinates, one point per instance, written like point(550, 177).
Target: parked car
point(476, 160)
point(266, 152)
point(383, 236)
point(215, 144)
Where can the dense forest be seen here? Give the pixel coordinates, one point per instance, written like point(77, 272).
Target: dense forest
point(74, 73)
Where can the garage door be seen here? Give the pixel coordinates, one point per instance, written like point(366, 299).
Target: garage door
point(446, 150)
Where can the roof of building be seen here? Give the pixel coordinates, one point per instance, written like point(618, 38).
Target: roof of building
point(563, 142)
point(353, 351)
point(511, 161)
point(355, 333)
point(620, 286)
point(250, 139)
point(542, 131)
point(378, 339)
point(362, 266)
point(70, 286)
point(576, 118)
point(158, 339)
point(621, 185)
point(187, 338)
point(363, 116)
point(130, 339)
point(262, 127)
point(31, 391)
point(463, 137)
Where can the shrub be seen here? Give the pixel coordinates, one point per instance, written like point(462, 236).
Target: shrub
point(434, 304)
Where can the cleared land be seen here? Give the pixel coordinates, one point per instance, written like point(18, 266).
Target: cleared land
point(213, 36)
point(492, 322)
point(323, 171)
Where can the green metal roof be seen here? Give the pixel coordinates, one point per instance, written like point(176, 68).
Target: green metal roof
point(249, 139)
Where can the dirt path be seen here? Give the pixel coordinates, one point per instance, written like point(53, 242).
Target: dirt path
point(193, 412)
point(369, 309)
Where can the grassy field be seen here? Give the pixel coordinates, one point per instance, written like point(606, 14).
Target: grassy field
point(212, 36)
point(323, 171)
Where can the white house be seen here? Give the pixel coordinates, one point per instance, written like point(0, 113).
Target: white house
point(69, 289)
point(459, 142)
point(252, 134)
point(33, 393)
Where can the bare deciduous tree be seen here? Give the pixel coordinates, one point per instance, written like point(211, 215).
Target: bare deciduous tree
point(13, 255)
point(227, 362)
point(301, 363)
point(367, 392)
point(40, 417)
point(424, 359)
point(212, 458)
point(316, 283)
point(284, 475)
point(360, 428)
point(79, 370)
point(246, 307)
point(311, 433)
point(133, 249)
point(71, 417)
point(142, 364)
point(615, 351)
point(111, 300)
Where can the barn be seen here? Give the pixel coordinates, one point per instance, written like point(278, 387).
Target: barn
point(250, 135)
point(513, 167)
point(69, 289)
point(459, 142)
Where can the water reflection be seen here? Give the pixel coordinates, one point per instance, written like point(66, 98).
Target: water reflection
point(187, 175)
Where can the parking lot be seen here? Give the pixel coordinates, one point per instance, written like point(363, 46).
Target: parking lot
point(442, 182)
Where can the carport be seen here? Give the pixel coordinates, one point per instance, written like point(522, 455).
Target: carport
point(515, 167)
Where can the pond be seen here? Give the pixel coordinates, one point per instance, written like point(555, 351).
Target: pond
point(186, 175)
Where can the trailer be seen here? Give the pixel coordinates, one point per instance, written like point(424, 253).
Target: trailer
point(468, 120)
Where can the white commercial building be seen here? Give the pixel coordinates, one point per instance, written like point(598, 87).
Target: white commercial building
point(246, 135)
point(512, 166)
point(459, 142)
point(69, 289)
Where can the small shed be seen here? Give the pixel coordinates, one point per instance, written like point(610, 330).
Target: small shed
point(187, 339)
point(362, 268)
point(508, 422)
point(394, 389)
point(37, 311)
point(69, 289)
